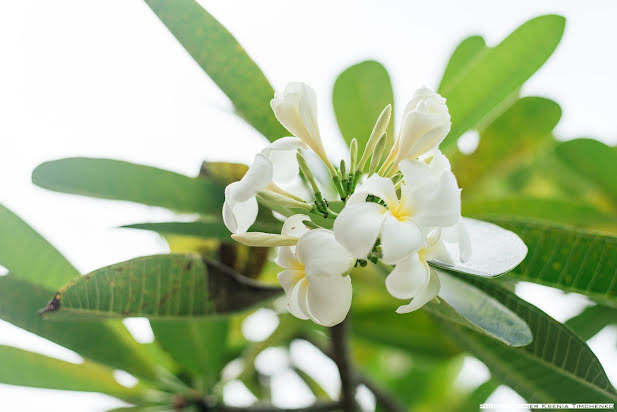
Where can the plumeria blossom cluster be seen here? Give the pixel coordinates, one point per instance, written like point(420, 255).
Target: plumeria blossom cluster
point(395, 206)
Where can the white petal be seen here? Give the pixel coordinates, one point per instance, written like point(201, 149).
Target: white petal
point(464, 242)
point(321, 254)
point(416, 173)
point(256, 179)
point(329, 299)
point(289, 143)
point(293, 226)
point(289, 278)
point(357, 227)
point(296, 301)
point(381, 187)
point(426, 295)
point(408, 278)
point(399, 239)
point(439, 164)
point(285, 166)
point(238, 216)
point(286, 258)
point(438, 205)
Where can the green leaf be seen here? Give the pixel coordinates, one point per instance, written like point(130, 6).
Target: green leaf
point(461, 58)
point(27, 255)
point(23, 368)
point(360, 94)
point(572, 212)
point(118, 180)
point(572, 260)
point(199, 346)
point(512, 137)
point(556, 367)
point(495, 251)
point(466, 305)
point(495, 74)
point(593, 160)
point(158, 287)
point(108, 343)
point(220, 55)
point(592, 320)
point(384, 327)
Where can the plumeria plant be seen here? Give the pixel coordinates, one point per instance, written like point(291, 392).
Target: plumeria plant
point(330, 250)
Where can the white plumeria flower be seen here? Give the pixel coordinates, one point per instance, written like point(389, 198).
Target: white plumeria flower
point(427, 201)
point(414, 279)
point(426, 122)
point(315, 278)
point(274, 164)
point(296, 109)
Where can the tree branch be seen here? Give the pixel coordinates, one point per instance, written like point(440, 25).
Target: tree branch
point(340, 355)
point(383, 398)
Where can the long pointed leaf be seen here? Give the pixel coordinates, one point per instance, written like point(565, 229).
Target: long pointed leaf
point(23, 368)
point(461, 58)
point(572, 260)
point(118, 180)
point(556, 367)
point(108, 343)
point(27, 255)
point(158, 287)
point(498, 72)
point(220, 55)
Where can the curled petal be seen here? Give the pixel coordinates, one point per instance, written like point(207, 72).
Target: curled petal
point(294, 227)
point(399, 239)
point(464, 241)
point(238, 216)
point(296, 301)
point(416, 173)
point(256, 179)
point(408, 278)
point(321, 254)
point(438, 205)
point(357, 227)
point(423, 297)
point(329, 299)
point(289, 143)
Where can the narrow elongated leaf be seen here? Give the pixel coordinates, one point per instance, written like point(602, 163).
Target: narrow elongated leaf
point(23, 368)
point(572, 260)
point(461, 58)
point(27, 255)
point(515, 135)
point(118, 180)
point(199, 346)
point(158, 287)
point(593, 160)
point(220, 55)
point(108, 343)
point(592, 320)
point(556, 367)
point(571, 212)
point(496, 74)
point(360, 94)
point(495, 251)
point(469, 306)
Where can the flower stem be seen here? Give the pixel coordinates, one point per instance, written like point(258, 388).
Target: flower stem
point(340, 354)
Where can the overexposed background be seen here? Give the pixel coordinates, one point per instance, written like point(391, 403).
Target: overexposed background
point(106, 79)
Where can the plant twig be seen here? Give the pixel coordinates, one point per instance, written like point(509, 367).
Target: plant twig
point(340, 355)
point(316, 407)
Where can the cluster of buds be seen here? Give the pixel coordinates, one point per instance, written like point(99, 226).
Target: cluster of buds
point(394, 204)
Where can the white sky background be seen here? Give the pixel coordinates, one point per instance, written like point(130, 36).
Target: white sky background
point(106, 79)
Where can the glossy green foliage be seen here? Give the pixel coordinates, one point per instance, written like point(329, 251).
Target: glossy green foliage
point(158, 287)
point(360, 94)
point(461, 57)
point(571, 260)
point(556, 367)
point(220, 55)
point(493, 76)
point(118, 180)
point(20, 367)
point(202, 229)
